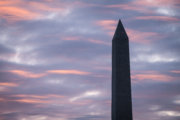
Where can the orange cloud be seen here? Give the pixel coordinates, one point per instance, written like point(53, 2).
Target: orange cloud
point(8, 84)
point(17, 10)
point(75, 72)
point(161, 18)
point(38, 75)
point(152, 77)
point(27, 74)
point(39, 96)
point(38, 99)
point(31, 101)
point(8, 2)
point(14, 13)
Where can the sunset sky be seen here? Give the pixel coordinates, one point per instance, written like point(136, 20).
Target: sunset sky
point(55, 58)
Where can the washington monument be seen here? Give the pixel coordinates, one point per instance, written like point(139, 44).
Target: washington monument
point(121, 82)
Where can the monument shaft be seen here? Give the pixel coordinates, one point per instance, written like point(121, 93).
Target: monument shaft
point(121, 84)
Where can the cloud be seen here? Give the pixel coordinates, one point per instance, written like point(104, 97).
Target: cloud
point(75, 72)
point(5, 50)
point(13, 11)
point(153, 58)
point(148, 6)
point(8, 84)
point(142, 37)
point(86, 95)
point(31, 101)
point(89, 117)
point(37, 117)
point(159, 18)
point(152, 77)
point(56, 58)
point(129, 6)
point(169, 113)
point(71, 38)
point(156, 3)
point(78, 38)
point(134, 35)
point(27, 74)
point(16, 14)
point(108, 25)
point(175, 71)
point(34, 99)
point(38, 96)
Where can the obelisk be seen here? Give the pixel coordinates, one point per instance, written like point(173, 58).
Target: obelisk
point(121, 84)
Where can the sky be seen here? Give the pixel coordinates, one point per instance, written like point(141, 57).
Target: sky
point(55, 58)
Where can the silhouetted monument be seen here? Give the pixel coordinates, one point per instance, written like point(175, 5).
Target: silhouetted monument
point(121, 84)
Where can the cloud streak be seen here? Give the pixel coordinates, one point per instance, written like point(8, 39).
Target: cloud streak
point(13, 11)
point(38, 75)
point(160, 18)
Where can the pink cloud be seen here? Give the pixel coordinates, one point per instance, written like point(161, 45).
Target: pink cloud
point(134, 35)
point(27, 74)
point(38, 96)
point(18, 10)
point(129, 6)
point(15, 13)
point(156, 77)
point(32, 101)
point(146, 6)
point(36, 99)
point(151, 76)
point(107, 25)
point(161, 18)
point(175, 71)
point(8, 84)
point(74, 72)
point(156, 3)
point(141, 37)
